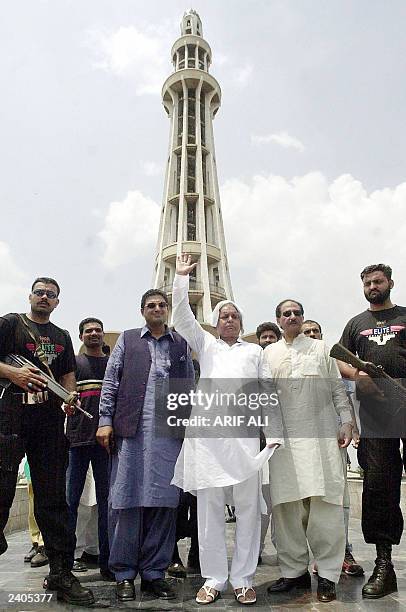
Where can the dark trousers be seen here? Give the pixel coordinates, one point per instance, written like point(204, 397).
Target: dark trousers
point(382, 520)
point(79, 459)
point(186, 527)
point(141, 541)
point(38, 431)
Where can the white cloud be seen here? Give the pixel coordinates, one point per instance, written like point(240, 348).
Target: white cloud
point(13, 289)
point(130, 230)
point(141, 54)
point(221, 59)
point(281, 138)
point(242, 76)
point(151, 168)
point(231, 73)
point(308, 238)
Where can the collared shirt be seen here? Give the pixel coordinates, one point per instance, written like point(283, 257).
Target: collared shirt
point(311, 395)
point(159, 350)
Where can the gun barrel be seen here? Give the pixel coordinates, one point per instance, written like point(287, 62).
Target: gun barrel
point(53, 385)
point(338, 351)
point(89, 416)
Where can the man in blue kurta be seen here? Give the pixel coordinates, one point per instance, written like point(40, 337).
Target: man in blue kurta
point(142, 502)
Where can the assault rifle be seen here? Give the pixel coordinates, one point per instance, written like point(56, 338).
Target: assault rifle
point(66, 396)
point(338, 351)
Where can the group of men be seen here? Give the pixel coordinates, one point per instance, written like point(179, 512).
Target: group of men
point(140, 472)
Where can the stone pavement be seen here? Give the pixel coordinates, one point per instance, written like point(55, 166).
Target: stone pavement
point(17, 577)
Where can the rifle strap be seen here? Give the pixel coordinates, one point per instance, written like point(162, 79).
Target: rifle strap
point(38, 348)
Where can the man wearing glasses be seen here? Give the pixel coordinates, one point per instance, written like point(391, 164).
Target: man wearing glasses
point(307, 476)
point(32, 423)
point(142, 502)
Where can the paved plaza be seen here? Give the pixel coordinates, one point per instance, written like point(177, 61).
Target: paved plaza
point(16, 577)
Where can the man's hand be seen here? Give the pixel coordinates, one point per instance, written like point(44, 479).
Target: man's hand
point(355, 437)
point(28, 378)
point(104, 436)
point(184, 264)
point(70, 409)
point(366, 386)
point(344, 435)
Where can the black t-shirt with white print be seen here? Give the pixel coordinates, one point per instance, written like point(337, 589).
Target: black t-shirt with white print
point(380, 337)
point(55, 342)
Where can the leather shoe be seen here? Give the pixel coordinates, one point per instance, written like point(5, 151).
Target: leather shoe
point(159, 587)
point(382, 581)
point(177, 570)
point(31, 553)
point(68, 588)
point(283, 585)
point(79, 566)
point(92, 561)
point(326, 590)
point(40, 558)
point(125, 590)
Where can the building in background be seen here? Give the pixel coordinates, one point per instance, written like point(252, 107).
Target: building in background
point(191, 218)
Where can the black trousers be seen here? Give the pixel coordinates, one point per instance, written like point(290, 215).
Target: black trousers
point(186, 525)
point(38, 431)
point(382, 520)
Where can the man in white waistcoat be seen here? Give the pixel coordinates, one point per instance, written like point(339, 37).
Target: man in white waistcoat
point(307, 475)
point(215, 467)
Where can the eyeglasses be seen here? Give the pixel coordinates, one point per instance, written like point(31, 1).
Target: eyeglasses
point(288, 313)
point(152, 305)
point(40, 292)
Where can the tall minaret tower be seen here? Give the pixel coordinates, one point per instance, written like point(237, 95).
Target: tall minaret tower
point(191, 219)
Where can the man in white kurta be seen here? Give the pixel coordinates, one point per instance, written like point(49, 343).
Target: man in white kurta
point(211, 466)
point(307, 476)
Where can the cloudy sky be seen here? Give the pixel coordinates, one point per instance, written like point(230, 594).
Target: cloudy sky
point(310, 143)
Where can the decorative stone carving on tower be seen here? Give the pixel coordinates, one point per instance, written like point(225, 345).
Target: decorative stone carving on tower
point(191, 218)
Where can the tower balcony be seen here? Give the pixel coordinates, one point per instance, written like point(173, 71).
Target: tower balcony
point(196, 291)
point(191, 77)
point(191, 39)
point(194, 247)
point(217, 292)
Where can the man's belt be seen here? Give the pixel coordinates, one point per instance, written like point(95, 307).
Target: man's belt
point(33, 398)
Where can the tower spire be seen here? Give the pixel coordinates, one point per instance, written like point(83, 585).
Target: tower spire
point(191, 219)
point(191, 23)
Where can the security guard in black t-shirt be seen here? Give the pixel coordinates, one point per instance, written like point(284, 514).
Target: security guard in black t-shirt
point(32, 423)
point(377, 335)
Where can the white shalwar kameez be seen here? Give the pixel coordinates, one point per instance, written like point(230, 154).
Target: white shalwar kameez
point(207, 466)
point(307, 476)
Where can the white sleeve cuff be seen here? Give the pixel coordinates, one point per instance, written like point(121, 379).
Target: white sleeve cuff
point(279, 441)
